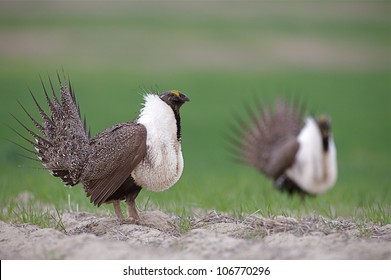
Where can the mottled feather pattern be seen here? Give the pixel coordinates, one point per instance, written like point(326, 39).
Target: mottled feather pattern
point(63, 146)
point(114, 153)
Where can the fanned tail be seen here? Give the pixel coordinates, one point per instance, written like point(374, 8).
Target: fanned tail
point(62, 147)
point(266, 141)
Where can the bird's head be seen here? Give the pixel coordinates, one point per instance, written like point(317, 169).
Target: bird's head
point(324, 125)
point(174, 98)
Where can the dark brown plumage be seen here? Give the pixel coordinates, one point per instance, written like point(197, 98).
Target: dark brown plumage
point(104, 163)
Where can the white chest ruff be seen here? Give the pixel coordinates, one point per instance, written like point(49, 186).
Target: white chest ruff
point(163, 164)
point(160, 169)
point(314, 170)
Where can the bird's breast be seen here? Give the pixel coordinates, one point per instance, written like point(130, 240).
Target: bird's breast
point(161, 167)
point(314, 170)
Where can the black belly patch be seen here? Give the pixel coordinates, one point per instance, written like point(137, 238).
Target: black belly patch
point(285, 184)
point(127, 188)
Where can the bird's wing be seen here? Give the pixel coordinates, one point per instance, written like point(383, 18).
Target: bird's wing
point(114, 154)
point(268, 141)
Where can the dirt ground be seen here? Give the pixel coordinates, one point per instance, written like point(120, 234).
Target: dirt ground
point(209, 236)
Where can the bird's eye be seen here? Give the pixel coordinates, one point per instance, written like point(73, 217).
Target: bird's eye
point(176, 99)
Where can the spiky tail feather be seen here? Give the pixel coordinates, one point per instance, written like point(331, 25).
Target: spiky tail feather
point(62, 146)
point(257, 140)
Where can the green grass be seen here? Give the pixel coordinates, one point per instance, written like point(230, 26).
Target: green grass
point(221, 58)
point(31, 212)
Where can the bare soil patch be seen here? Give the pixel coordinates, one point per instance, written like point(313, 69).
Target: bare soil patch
point(210, 236)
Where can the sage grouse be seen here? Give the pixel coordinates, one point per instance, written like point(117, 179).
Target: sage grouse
point(116, 163)
point(299, 155)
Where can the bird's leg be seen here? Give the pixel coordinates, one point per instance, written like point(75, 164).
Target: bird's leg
point(117, 210)
point(302, 197)
point(130, 200)
point(132, 211)
point(280, 181)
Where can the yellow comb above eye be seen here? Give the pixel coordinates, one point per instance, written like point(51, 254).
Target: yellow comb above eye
point(323, 118)
point(175, 92)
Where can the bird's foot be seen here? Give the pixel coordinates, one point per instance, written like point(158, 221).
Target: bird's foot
point(129, 221)
point(133, 216)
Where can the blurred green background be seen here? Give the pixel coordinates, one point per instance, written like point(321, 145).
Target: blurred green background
point(334, 55)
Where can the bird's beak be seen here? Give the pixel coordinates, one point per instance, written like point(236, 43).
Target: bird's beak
point(185, 98)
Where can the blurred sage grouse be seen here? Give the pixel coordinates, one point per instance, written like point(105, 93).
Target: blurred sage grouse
point(116, 163)
point(299, 155)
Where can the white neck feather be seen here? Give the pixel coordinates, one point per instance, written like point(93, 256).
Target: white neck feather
point(314, 170)
point(163, 163)
point(158, 118)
